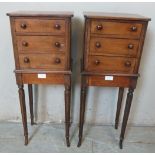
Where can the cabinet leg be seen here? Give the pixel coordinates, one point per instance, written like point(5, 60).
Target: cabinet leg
point(119, 103)
point(67, 111)
point(82, 111)
point(30, 91)
point(126, 115)
point(23, 111)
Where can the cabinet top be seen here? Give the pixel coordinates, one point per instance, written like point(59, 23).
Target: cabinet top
point(123, 16)
point(40, 14)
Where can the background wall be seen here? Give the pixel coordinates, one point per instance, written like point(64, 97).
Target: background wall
point(101, 103)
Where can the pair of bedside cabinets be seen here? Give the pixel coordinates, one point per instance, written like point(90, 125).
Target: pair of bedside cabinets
point(112, 50)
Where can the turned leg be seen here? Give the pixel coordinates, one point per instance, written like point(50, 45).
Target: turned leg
point(119, 102)
point(23, 111)
point(30, 91)
point(82, 111)
point(67, 111)
point(126, 115)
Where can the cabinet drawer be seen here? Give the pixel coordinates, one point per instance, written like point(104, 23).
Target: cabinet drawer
point(116, 28)
point(40, 25)
point(49, 79)
point(41, 44)
point(42, 61)
point(118, 81)
point(125, 47)
point(111, 64)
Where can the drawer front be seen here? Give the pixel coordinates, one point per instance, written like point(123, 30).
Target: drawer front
point(126, 47)
point(41, 44)
point(33, 78)
point(111, 64)
point(117, 81)
point(40, 25)
point(116, 28)
point(42, 61)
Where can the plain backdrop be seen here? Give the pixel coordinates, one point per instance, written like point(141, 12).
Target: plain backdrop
point(101, 102)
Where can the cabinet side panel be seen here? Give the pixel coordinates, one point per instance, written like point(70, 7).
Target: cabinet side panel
point(15, 50)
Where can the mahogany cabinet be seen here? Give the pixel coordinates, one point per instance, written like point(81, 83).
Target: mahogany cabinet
point(42, 52)
point(112, 51)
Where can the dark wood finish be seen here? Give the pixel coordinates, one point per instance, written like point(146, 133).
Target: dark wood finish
point(126, 115)
point(100, 81)
point(119, 103)
point(29, 78)
point(110, 64)
point(42, 61)
point(116, 28)
point(42, 44)
point(30, 91)
point(67, 106)
point(115, 16)
point(40, 25)
point(110, 46)
point(42, 52)
point(82, 108)
point(23, 111)
point(113, 46)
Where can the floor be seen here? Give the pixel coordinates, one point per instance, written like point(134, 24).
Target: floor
point(50, 138)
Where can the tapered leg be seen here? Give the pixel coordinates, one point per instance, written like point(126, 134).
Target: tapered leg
point(30, 90)
point(67, 109)
point(119, 103)
point(23, 111)
point(126, 115)
point(82, 109)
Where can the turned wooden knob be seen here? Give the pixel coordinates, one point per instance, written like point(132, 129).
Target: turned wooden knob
point(57, 26)
point(57, 44)
point(99, 27)
point(127, 63)
point(130, 46)
point(97, 62)
point(133, 28)
point(26, 60)
point(57, 60)
point(23, 26)
point(98, 45)
point(24, 43)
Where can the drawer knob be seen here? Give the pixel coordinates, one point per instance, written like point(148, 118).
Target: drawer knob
point(130, 46)
point(127, 63)
point(57, 44)
point(57, 26)
point(99, 27)
point(23, 26)
point(98, 45)
point(133, 28)
point(97, 62)
point(24, 43)
point(57, 61)
point(26, 60)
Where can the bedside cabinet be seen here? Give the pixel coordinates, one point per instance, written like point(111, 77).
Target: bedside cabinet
point(113, 46)
point(42, 52)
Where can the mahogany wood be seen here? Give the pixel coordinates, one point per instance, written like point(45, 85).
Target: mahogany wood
point(126, 115)
point(111, 64)
point(42, 61)
point(23, 111)
point(82, 108)
point(42, 52)
point(110, 46)
point(30, 91)
point(116, 28)
point(40, 25)
point(119, 102)
point(113, 46)
point(42, 44)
